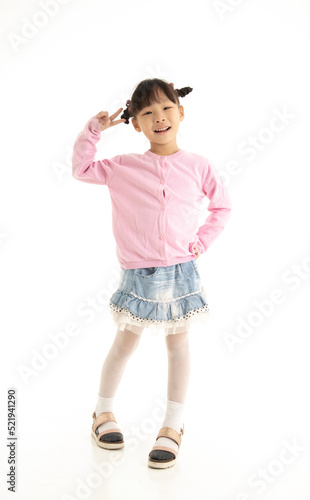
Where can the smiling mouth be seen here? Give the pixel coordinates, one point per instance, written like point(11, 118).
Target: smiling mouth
point(162, 131)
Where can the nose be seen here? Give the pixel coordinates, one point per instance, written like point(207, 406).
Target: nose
point(157, 120)
point(160, 123)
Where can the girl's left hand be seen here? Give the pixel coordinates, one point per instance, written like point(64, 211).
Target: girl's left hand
point(196, 251)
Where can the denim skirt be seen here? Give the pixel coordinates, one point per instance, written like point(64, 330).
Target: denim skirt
point(160, 298)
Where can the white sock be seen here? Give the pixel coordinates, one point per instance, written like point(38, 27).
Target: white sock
point(103, 405)
point(173, 418)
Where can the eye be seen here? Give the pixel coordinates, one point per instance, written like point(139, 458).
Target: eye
point(166, 107)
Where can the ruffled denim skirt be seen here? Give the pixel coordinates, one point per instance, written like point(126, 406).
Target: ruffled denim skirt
point(169, 298)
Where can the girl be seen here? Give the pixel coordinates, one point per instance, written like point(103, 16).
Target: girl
point(156, 198)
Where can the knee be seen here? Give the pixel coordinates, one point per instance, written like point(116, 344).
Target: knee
point(126, 343)
point(177, 345)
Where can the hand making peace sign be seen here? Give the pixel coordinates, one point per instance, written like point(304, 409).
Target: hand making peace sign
point(106, 121)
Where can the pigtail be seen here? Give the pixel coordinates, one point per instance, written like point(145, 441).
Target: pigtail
point(184, 91)
point(127, 113)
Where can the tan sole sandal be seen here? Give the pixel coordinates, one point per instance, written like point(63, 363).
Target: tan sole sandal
point(157, 460)
point(113, 438)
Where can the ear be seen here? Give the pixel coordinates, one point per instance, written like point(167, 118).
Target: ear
point(181, 111)
point(135, 125)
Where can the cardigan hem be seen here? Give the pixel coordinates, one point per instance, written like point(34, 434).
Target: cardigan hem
point(155, 263)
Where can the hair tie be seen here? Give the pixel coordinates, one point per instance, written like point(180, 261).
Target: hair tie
point(128, 104)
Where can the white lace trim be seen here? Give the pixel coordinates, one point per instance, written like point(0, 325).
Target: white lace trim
point(124, 318)
point(165, 301)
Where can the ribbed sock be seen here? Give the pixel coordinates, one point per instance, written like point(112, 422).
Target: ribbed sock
point(173, 419)
point(103, 405)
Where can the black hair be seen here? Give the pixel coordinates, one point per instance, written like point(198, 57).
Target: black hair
point(148, 91)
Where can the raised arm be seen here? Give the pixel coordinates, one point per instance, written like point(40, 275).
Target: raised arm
point(84, 168)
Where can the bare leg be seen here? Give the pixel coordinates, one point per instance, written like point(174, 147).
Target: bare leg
point(124, 345)
point(178, 366)
point(178, 378)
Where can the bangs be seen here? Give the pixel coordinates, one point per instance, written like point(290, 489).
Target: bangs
point(150, 91)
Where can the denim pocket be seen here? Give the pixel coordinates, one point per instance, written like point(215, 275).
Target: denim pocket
point(146, 272)
point(195, 267)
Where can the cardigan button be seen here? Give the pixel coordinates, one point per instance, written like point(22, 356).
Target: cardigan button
point(162, 237)
point(164, 262)
point(163, 207)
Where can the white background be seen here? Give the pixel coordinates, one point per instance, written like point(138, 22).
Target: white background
point(248, 396)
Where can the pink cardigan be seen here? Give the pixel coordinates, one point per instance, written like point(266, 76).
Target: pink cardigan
point(155, 201)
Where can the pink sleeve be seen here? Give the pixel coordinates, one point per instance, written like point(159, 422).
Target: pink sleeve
point(219, 206)
point(84, 168)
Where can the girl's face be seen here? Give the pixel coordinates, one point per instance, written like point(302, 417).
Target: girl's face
point(157, 116)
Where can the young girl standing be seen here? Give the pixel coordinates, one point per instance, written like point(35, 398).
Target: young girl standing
point(156, 199)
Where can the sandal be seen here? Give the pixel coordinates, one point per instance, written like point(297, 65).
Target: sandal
point(161, 457)
point(111, 439)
